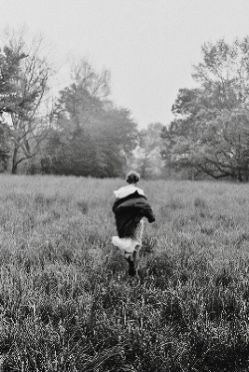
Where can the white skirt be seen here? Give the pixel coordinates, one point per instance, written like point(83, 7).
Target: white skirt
point(128, 246)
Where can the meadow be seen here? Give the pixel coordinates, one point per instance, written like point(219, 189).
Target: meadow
point(67, 303)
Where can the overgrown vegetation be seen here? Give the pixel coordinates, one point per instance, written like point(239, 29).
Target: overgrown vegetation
point(66, 302)
point(209, 135)
point(78, 131)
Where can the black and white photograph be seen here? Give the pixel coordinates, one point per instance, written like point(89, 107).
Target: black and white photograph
point(124, 186)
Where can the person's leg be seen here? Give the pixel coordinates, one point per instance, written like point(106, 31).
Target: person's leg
point(130, 248)
point(138, 237)
point(132, 270)
point(139, 232)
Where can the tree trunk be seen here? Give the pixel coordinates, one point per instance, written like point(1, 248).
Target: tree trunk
point(240, 178)
point(247, 175)
point(14, 161)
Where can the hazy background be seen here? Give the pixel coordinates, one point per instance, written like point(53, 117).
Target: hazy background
point(149, 46)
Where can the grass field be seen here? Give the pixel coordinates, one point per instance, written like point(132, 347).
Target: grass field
point(66, 303)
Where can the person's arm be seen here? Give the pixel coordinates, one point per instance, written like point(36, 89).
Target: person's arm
point(145, 210)
point(149, 214)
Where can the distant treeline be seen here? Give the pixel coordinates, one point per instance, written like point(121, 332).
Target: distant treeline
point(82, 132)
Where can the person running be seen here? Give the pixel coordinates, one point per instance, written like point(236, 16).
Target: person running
point(130, 208)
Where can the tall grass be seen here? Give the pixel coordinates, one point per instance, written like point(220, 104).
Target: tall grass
point(67, 304)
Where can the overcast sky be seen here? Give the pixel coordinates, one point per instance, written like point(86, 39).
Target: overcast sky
point(148, 45)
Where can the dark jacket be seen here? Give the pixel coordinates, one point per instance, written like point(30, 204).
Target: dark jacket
point(128, 213)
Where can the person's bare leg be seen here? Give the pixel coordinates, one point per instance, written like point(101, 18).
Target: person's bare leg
point(133, 262)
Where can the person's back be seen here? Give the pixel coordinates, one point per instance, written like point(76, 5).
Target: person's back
point(129, 208)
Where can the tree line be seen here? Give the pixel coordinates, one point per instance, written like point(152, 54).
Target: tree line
point(81, 131)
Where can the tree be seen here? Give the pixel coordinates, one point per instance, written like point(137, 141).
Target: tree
point(4, 147)
point(115, 136)
point(210, 132)
point(23, 87)
point(91, 137)
point(147, 155)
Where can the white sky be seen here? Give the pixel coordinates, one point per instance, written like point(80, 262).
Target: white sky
point(148, 45)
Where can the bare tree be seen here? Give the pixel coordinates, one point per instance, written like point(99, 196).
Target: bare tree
point(84, 75)
point(23, 88)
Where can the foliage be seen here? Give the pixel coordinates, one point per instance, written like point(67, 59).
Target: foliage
point(23, 86)
point(4, 147)
point(147, 155)
point(91, 136)
point(210, 133)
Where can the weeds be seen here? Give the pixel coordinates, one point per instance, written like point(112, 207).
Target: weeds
point(67, 304)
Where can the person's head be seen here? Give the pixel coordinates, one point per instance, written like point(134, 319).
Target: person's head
point(132, 177)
